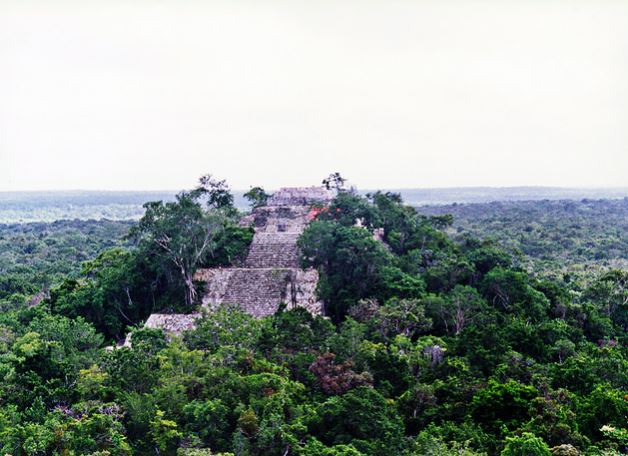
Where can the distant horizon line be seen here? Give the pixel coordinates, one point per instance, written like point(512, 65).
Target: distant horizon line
point(470, 187)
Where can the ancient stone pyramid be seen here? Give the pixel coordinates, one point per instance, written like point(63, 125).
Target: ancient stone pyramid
point(270, 274)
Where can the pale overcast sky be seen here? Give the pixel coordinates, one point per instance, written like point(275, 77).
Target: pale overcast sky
point(141, 94)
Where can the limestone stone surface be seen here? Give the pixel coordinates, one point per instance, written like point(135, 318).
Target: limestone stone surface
point(260, 291)
point(300, 196)
point(172, 323)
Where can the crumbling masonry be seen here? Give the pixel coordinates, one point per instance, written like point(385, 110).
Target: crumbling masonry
point(270, 274)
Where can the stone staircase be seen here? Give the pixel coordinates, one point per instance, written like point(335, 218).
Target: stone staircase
point(272, 256)
point(260, 291)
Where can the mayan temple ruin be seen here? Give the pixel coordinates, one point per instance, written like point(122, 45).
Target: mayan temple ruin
point(270, 274)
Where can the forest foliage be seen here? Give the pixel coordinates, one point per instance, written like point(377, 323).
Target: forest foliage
point(435, 345)
point(570, 240)
point(37, 256)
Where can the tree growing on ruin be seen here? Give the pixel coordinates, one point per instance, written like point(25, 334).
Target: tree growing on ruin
point(257, 197)
point(217, 192)
point(182, 234)
point(335, 182)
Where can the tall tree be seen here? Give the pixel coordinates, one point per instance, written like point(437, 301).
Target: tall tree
point(334, 182)
point(217, 192)
point(257, 197)
point(182, 233)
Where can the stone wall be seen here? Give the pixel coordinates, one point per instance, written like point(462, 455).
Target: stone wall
point(172, 324)
point(260, 291)
point(272, 255)
point(300, 196)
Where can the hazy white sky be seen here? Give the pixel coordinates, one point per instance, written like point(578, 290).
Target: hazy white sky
point(151, 94)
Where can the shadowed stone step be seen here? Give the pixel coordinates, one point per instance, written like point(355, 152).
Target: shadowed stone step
point(272, 255)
